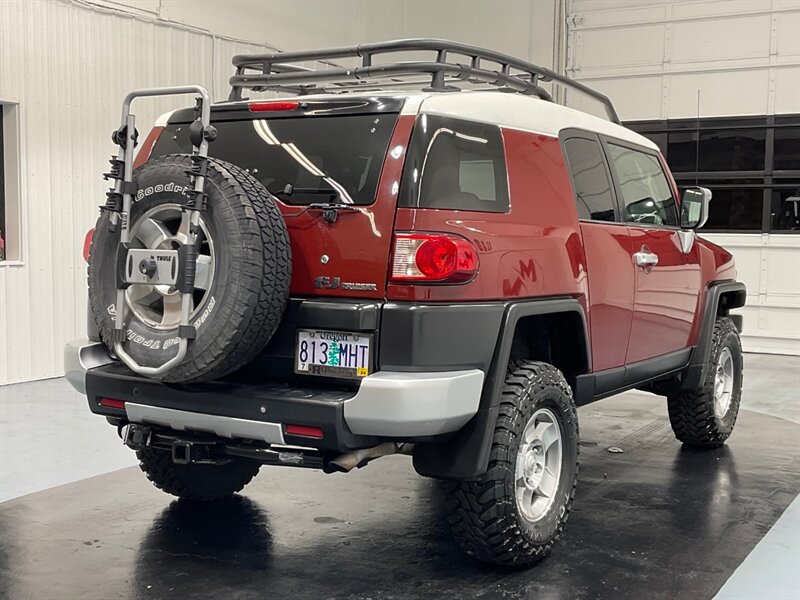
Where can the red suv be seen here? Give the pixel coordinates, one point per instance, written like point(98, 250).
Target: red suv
point(349, 272)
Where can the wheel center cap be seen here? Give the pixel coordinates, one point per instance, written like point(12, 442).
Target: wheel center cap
point(533, 467)
point(719, 384)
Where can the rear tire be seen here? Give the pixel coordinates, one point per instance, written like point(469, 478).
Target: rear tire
point(196, 481)
point(510, 516)
point(238, 301)
point(704, 417)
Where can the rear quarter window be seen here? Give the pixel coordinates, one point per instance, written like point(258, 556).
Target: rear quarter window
point(455, 164)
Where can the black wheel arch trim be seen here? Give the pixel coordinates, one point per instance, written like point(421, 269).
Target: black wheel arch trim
point(721, 297)
point(466, 455)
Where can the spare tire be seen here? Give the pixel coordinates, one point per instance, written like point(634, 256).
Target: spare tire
point(243, 270)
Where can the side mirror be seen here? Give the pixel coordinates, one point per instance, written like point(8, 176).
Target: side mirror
point(694, 207)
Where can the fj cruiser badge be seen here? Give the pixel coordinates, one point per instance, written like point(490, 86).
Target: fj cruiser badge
point(333, 283)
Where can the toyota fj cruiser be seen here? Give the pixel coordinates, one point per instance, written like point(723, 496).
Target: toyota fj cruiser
point(354, 271)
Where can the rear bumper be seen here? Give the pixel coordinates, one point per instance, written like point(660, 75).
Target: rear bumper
point(79, 357)
point(384, 405)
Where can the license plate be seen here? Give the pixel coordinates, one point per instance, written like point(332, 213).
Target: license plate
point(333, 353)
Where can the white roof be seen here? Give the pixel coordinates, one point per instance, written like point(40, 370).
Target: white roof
point(526, 113)
point(515, 111)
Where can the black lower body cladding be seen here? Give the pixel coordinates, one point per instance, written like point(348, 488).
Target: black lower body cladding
point(439, 337)
point(243, 274)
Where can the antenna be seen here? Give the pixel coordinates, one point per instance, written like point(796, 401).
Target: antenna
point(697, 142)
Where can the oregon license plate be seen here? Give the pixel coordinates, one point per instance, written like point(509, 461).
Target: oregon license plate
point(333, 353)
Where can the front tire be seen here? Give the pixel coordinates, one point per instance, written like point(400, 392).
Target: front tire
point(704, 417)
point(517, 512)
point(196, 481)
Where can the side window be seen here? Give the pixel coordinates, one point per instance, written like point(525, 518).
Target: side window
point(590, 179)
point(646, 195)
point(455, 164)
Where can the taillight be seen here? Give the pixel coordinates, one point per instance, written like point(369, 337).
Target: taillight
point(146, 149)
point(433, 258)
point(273, 105)
point(87, 244)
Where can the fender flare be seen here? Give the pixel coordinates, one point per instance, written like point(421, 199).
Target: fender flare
point(466, 455)
point(721, 296)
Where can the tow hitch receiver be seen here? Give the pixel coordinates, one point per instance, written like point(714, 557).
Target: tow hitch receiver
point(192, 448)
point(182, 453)
point(184, 450)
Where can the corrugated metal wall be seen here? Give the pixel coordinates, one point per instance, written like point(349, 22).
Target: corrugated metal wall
point(69, 66)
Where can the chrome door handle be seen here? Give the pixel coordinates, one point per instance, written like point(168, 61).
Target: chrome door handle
point(645, 259)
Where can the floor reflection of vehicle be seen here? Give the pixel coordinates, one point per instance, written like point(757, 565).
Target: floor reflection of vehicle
point(233, 534)
point(714, 479)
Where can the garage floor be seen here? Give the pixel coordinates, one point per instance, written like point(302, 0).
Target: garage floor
point(657, 521)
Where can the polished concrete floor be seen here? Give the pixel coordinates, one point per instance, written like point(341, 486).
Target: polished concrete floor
point(657, 521)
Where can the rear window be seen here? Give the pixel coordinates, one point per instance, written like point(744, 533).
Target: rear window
point(455, 164)
point(320, 159)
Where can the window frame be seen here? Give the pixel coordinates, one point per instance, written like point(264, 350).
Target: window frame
point(13, 228)
point(609, 140)
point(409, 192)
point(571, 133)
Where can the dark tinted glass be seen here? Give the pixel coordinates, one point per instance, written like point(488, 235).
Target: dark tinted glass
point(590, 180)
point(787, 149)
point(785, 209)
point(682, 151)
point(735, 209)
point(659, 139)
point(322, 158)
point(732, 150)
point(725, 156)
point(646, 194)
point(455, 164)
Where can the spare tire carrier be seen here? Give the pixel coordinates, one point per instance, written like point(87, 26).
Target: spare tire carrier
point(175, 267)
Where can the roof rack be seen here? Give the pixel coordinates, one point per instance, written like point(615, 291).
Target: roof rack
point(275, 72)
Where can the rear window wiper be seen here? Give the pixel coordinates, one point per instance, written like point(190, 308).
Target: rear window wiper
point(329, 209)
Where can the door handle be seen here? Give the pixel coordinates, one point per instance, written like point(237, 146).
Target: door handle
point(645, 259)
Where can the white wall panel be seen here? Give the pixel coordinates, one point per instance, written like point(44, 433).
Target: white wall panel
point(787, 89)
point(642, 45)
point(720, 39)
point(632, 96)
point(769, 265)
point(787, 36)
point(742, 55)
point(721, 93)
point(712, 9)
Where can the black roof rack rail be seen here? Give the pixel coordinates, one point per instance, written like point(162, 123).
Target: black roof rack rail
point(276, 72)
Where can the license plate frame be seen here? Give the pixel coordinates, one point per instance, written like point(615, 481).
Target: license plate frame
point(315, 367)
